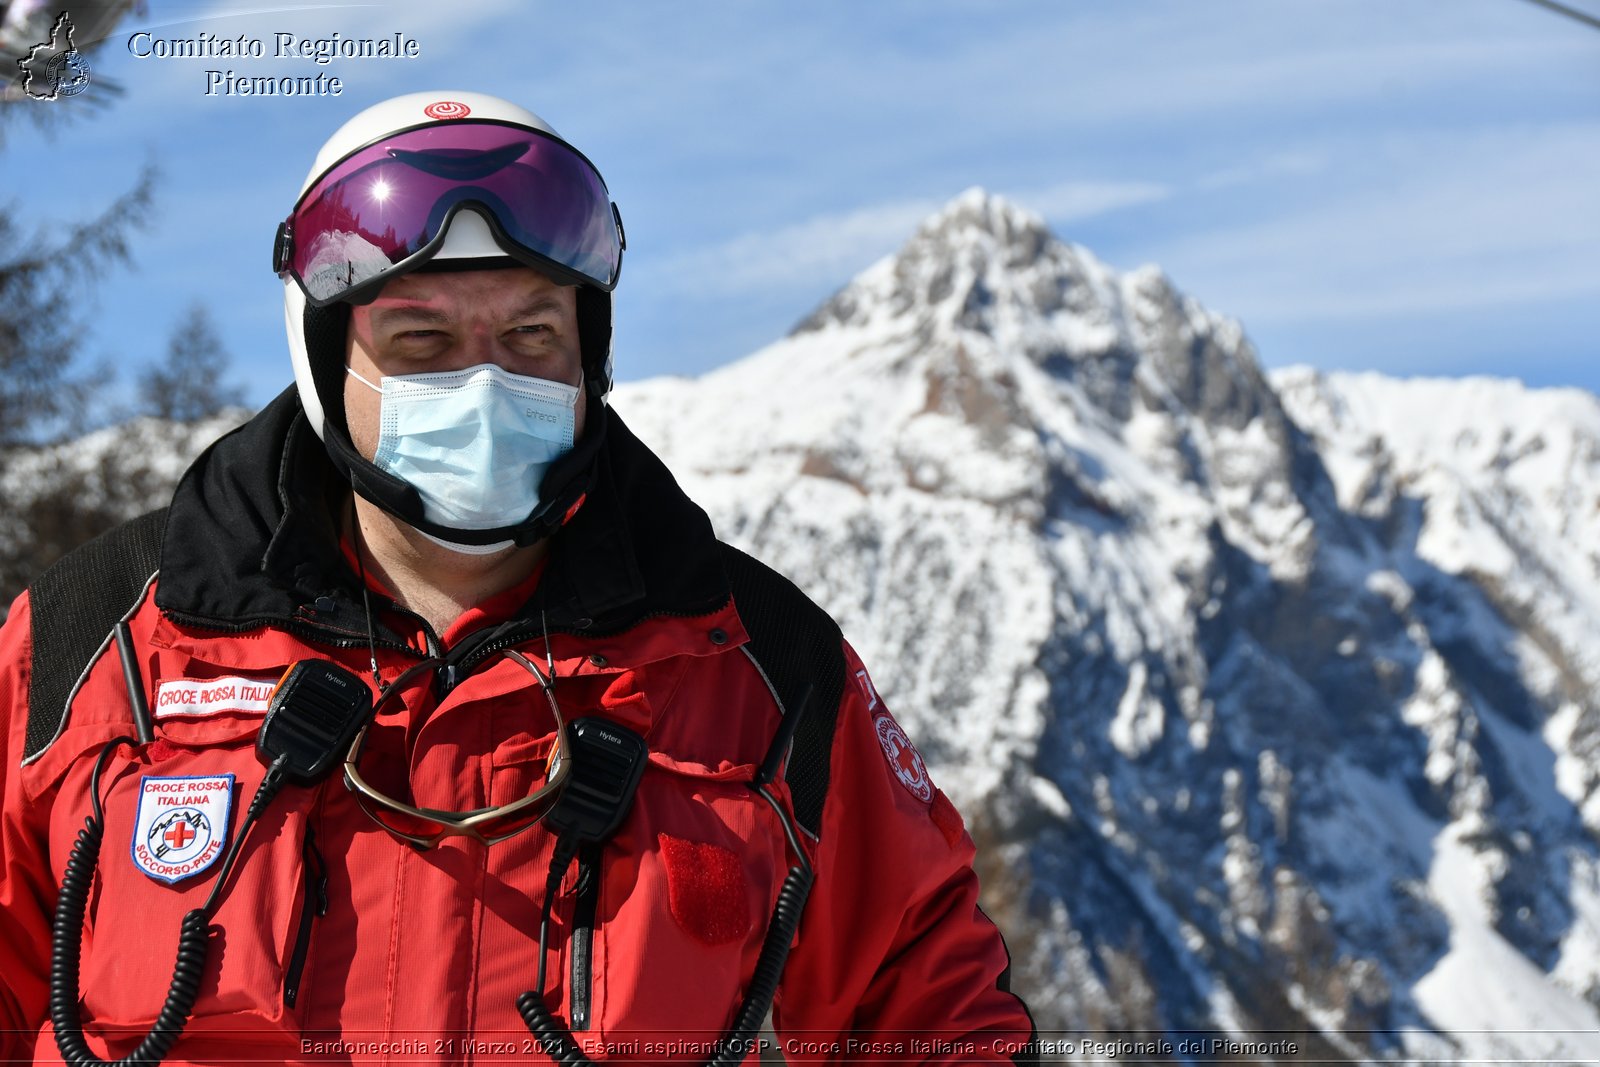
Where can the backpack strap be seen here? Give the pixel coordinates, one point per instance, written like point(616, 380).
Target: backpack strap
point(796, 645)
point(74, 605)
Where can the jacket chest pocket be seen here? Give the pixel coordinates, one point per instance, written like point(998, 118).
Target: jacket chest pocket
point(681, 900)
point(168, 829)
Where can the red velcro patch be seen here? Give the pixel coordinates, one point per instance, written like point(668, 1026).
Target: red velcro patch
point(706, 890)
point(946, 818)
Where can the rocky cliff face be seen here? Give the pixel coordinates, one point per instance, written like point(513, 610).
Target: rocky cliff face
point(1271, 699)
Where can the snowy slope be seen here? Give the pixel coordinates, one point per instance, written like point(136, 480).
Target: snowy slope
point(1271, 702)
point(58, 496)
point(1498, 485)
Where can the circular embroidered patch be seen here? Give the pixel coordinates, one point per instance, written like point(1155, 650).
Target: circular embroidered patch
point(179, 835)
point(904, 759)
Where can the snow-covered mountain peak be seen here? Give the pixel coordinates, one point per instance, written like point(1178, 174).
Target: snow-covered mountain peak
point(986, 359)
point(1273, 703)
point(984, 277)
point(978, 218)
point(964, 268)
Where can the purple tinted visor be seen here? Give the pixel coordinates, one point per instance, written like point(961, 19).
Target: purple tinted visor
point(381, 211)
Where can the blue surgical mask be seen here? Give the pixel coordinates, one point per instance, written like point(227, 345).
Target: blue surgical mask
point(475, 443)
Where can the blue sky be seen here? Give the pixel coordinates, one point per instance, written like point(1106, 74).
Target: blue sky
point(1402, 185)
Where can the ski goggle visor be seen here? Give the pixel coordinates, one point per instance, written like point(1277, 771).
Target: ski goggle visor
point(383, 210)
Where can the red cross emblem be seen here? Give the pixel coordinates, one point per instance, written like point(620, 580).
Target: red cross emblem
point(903, 758)
point(175, 836)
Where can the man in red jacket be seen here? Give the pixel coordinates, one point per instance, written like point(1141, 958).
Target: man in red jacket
point(446, 507)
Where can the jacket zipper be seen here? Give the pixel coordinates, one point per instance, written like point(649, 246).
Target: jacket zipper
point(314, 904)
point(583, 918)
point(340, 638)
point(529, 632)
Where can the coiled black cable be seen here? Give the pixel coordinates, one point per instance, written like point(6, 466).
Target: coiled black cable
point(193, 940)
point(194, 937)
point(769, 969)
point(740, 1041)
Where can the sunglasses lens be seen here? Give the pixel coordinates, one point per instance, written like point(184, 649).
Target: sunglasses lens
point(424, 828)
point(421, 830)
point(402, 824)
point(512, 823)
point(386, 202)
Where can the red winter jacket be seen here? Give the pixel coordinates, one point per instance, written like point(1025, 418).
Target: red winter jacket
point(335, 943)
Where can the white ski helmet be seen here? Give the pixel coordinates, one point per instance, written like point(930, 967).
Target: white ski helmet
point(413, 182)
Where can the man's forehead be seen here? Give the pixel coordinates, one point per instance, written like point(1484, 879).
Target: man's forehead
point(499, 291)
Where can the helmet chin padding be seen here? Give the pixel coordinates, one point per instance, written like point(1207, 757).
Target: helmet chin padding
point(326, 332)
point(594, 339)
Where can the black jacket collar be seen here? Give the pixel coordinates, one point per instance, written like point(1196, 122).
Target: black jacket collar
point(251, 539)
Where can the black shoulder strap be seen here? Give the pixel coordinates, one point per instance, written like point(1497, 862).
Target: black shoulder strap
point(796, 644)
point(73, 605)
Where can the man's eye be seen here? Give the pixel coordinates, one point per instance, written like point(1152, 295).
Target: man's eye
point(534, 327)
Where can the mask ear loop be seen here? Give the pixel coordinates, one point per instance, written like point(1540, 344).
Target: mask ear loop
point(354, 374)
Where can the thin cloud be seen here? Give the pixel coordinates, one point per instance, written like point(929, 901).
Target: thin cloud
point(1492, 219)
point(826, 249)
point(823, 247)
point(1075, 201)
point(1293, 164)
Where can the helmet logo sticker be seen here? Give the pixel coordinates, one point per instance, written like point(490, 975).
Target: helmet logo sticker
point(904, 760)
point(447, 109)
point(181, 825)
